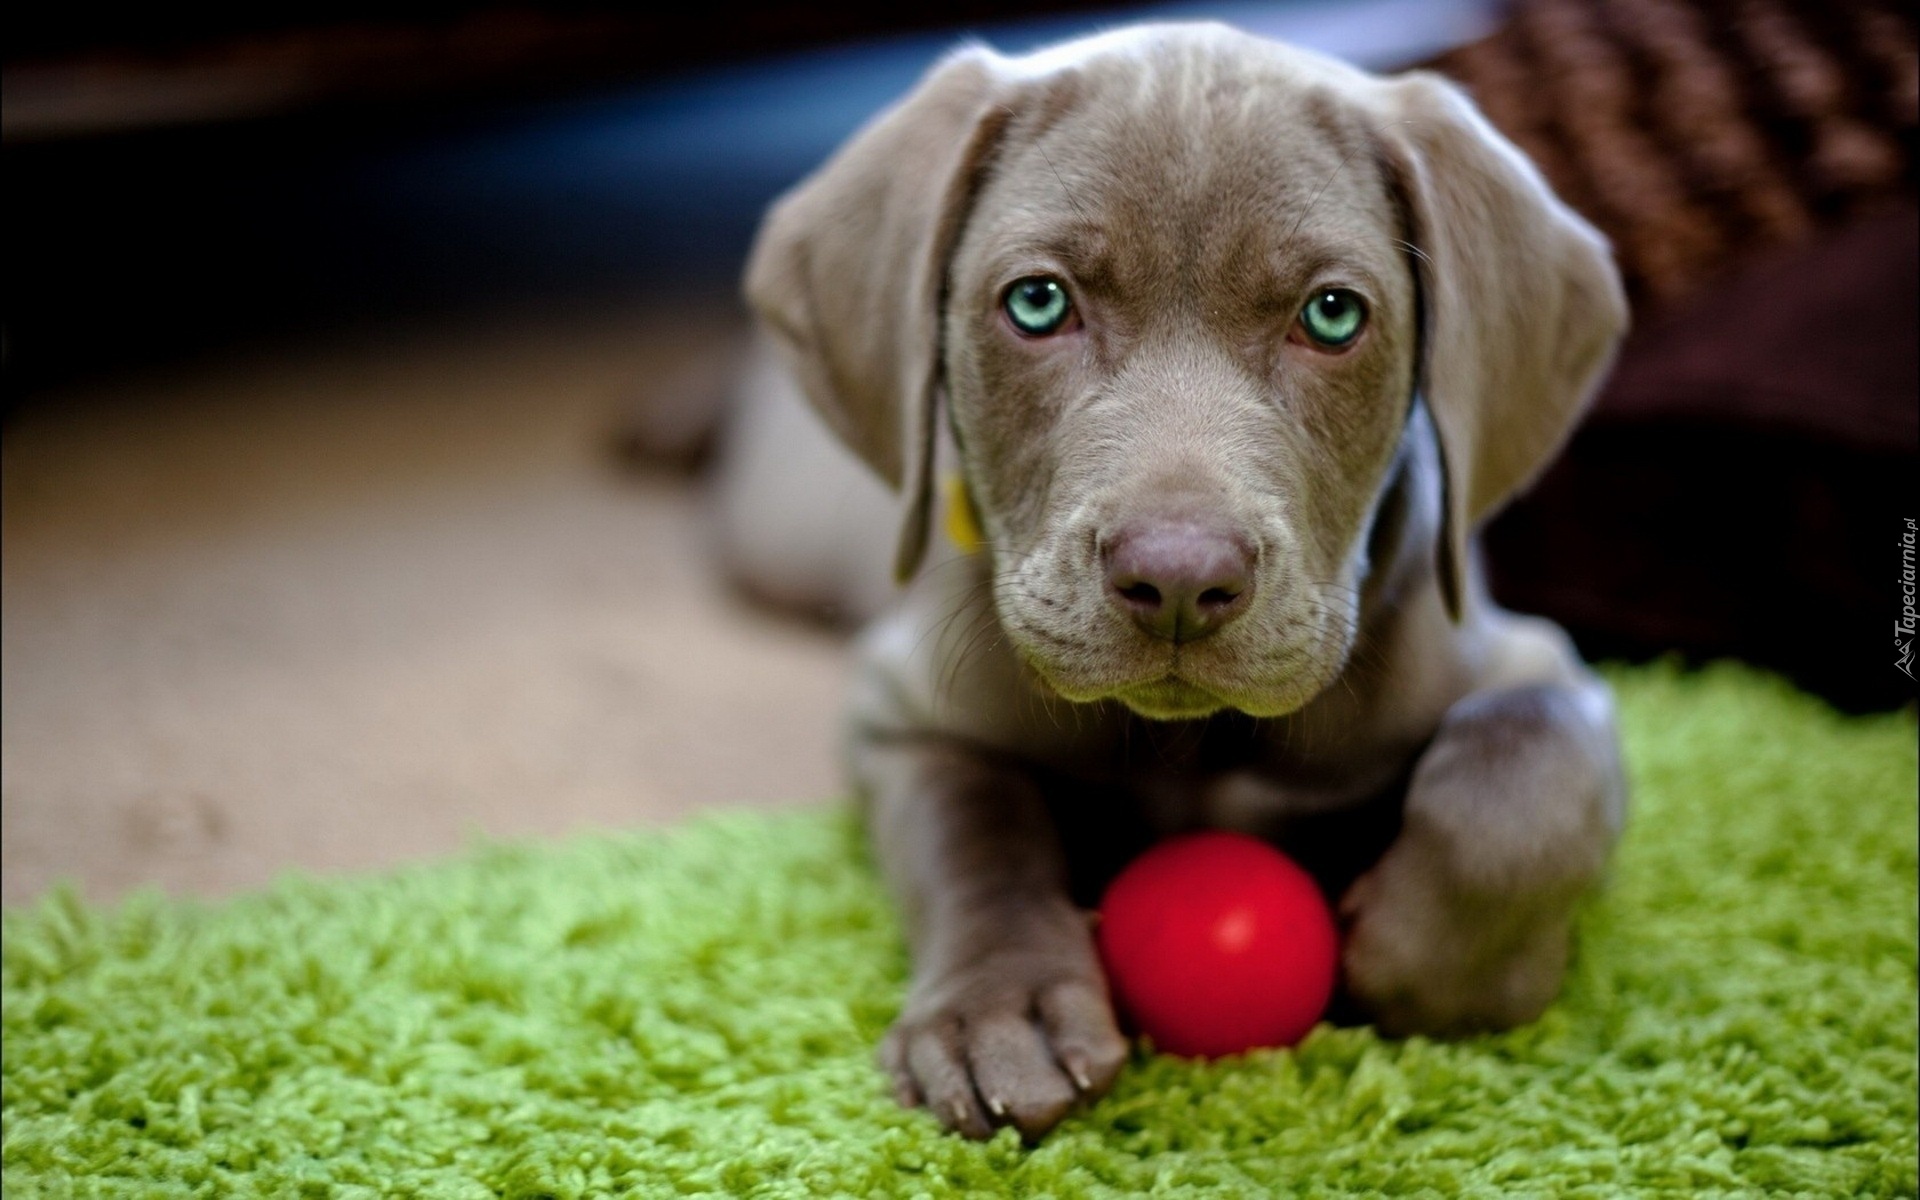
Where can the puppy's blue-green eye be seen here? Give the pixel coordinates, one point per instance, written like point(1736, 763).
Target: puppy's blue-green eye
point(1037, 305)
point(1334, 317)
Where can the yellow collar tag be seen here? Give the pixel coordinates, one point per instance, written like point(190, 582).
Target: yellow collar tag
point(963, 528)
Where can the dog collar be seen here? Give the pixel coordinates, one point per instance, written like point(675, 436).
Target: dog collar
point(962, 524)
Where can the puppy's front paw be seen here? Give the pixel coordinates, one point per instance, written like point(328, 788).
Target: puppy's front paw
point(1423, 955)
point(1006, 1041)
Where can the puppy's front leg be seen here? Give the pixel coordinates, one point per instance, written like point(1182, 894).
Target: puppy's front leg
point(1464, 923)
point(1007, 1020)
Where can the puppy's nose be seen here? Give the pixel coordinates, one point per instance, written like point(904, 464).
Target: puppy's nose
point(1179, 580)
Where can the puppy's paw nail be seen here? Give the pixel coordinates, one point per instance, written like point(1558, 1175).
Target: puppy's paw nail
point(997, 1106)
point(1080, 1077)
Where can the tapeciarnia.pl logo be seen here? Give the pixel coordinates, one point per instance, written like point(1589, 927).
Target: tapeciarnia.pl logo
point(1903, 628)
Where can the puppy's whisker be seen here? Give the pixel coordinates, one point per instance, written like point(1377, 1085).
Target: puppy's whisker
point(1313, 203)
point(1414, 250)
point(938, 628)
point(1066, 193)
point(971, 642)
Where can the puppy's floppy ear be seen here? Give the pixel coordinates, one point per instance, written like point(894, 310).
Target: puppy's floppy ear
point(1522, 303)
point(849, 267)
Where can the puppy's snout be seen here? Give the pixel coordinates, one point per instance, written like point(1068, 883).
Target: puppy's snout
point(1179, 580)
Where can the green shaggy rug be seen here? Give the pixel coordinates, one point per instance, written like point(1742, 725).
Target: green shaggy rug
point(693, 1013)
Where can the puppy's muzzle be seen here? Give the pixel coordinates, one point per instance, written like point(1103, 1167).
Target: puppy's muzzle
point(1180, 580)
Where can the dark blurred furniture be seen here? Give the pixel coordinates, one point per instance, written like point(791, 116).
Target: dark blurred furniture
point(1741, 487)
point(188, 179)
point(76, 69)
point(1741, 484)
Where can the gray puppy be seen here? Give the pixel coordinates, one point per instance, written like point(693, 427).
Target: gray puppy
point(1232, 346)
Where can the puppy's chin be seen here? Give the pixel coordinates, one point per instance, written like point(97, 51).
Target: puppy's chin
point(1172, 697)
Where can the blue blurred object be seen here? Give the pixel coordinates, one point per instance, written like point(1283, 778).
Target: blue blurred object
point(129, 250)
point(673, 176)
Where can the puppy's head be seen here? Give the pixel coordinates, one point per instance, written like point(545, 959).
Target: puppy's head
point(1179, 287)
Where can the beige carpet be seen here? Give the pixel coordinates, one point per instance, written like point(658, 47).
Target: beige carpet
point(340, 608)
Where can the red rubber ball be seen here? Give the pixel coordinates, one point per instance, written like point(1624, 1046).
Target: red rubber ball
point(1216, 943)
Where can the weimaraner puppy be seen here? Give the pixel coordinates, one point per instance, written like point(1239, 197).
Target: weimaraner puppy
point(1232, 346)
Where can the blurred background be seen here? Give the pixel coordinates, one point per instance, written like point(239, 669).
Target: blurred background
point(360, 362)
